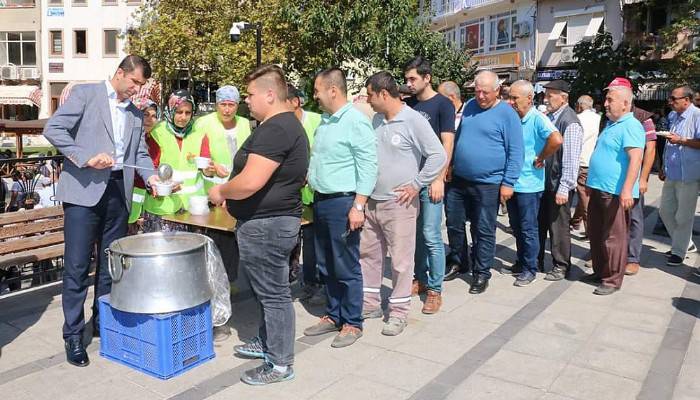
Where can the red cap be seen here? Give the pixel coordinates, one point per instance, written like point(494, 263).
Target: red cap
point(620, 82)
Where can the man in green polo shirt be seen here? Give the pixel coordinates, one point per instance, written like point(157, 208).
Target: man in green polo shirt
point(343, 172)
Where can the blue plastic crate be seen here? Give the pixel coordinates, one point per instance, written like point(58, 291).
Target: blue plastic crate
point(160, 345)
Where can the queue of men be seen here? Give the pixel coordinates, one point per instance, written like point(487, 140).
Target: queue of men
point(379, 189)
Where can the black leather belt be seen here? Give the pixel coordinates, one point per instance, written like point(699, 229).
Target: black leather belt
point(326, 196)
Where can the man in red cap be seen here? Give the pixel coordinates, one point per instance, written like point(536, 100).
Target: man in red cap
point(613, 181)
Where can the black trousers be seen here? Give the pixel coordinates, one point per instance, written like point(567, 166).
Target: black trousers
point(554, 221)
point(85, 227)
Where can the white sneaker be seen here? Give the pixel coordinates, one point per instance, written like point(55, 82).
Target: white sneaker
point(394, 326)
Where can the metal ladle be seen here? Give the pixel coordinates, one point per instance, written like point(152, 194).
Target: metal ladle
point(165, 171)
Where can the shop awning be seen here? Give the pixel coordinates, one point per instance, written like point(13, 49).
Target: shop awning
point(593, 26)
point(20, 95)
point(557, 30)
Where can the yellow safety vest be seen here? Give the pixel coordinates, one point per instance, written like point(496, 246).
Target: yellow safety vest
point(311, 121)
point(184, 170)
point(211, 126)
point(137, 199)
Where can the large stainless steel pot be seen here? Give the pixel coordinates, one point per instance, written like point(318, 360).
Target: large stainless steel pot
point(158, 272)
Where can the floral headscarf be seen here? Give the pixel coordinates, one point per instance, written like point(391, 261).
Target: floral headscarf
point(176, 100)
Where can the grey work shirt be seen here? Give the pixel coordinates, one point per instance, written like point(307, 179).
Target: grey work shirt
point(408, 152)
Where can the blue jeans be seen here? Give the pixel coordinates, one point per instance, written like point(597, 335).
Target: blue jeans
point(523, 209)
point(430, 251)
point(264, 246)
point(478, 202)
point(338, 260)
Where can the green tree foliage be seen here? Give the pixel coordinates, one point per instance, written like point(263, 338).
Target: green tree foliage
point(192, 37)
point(598, 62)
point(304, 36)
point(380, 34)
point(684, 66)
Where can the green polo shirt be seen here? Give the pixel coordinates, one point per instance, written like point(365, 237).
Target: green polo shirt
point(344, 155)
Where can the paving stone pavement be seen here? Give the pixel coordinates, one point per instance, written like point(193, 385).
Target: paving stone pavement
point(547, 341)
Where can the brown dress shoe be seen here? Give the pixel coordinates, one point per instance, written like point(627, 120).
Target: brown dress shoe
point(631, 269)
point(433, 301)
point(418, 288)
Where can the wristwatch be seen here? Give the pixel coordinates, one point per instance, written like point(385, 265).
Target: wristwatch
point(359, 207)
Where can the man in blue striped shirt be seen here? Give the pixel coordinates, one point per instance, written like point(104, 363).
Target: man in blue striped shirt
point(682, 172)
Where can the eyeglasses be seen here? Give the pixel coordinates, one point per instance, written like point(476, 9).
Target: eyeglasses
point(674, 98)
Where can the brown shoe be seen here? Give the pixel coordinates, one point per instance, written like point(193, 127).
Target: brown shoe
point(432, 302)
point(347, 336)
point(418, 288)
point(631, 269)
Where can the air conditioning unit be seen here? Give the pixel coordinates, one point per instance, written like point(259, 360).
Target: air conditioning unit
point(8, 72)
point(567, 54)
point(521, 29)
point(30, 73)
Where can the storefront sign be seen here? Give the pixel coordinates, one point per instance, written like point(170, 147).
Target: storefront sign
point(503, 60)
point(554, 74)
point(55, 12)
point(56, 68)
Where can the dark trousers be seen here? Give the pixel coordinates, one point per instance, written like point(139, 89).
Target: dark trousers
point(522, 215)
point(264, 246)
point(478, 202)
point(85, 227)
point(458, 245)
point(338, 260)
point(634, 247)
point(554, 220)
point(608, 232)
point(582, 205)
point(310, 275)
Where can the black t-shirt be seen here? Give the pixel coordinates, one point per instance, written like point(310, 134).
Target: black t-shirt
point(438, 110)
point(281, 139)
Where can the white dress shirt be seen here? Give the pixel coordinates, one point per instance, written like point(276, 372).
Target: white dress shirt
point(118, 115)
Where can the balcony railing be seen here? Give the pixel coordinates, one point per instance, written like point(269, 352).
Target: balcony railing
point(441, 8)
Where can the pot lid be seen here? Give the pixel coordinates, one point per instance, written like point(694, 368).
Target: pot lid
point(158, 244)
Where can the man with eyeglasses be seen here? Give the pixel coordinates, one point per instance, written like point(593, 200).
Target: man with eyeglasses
point(681, 169)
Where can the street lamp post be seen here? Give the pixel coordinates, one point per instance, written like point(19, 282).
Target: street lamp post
point(239, 27)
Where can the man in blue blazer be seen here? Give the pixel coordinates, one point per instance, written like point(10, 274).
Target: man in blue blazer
point(98, 130)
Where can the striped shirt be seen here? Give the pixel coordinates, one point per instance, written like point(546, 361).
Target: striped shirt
point(573, 142)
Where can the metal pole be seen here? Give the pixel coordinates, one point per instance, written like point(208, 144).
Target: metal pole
point(258, 44)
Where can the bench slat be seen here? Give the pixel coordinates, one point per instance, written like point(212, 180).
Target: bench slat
point(30, 215)
point(31, 228)
point(29, 256)
point(34, 242)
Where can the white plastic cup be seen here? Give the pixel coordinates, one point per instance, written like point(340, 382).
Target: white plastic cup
point(202, 162)
point(164, 189)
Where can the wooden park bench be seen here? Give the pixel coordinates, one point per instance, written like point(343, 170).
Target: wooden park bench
point(30, 237)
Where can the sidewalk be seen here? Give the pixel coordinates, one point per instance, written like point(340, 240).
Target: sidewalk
point(547, 341)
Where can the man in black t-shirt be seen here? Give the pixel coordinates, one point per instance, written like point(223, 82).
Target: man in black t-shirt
point(264, 196)
point(430, 250)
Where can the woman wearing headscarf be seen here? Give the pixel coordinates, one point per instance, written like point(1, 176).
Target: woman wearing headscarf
point(177, 145)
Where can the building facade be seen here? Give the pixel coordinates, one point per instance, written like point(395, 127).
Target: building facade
point(20, 59)
point(84, 43)
point(561, 24)
point(499, 33)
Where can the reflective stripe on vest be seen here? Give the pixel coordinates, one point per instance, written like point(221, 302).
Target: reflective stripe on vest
point(184, 169)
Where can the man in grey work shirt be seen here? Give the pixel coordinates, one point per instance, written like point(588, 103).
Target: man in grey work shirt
point(404, 140)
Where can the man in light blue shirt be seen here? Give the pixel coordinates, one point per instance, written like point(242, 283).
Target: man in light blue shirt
point(540, 140)
point(342, 172)
point(682, 172)
point(613, 181)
